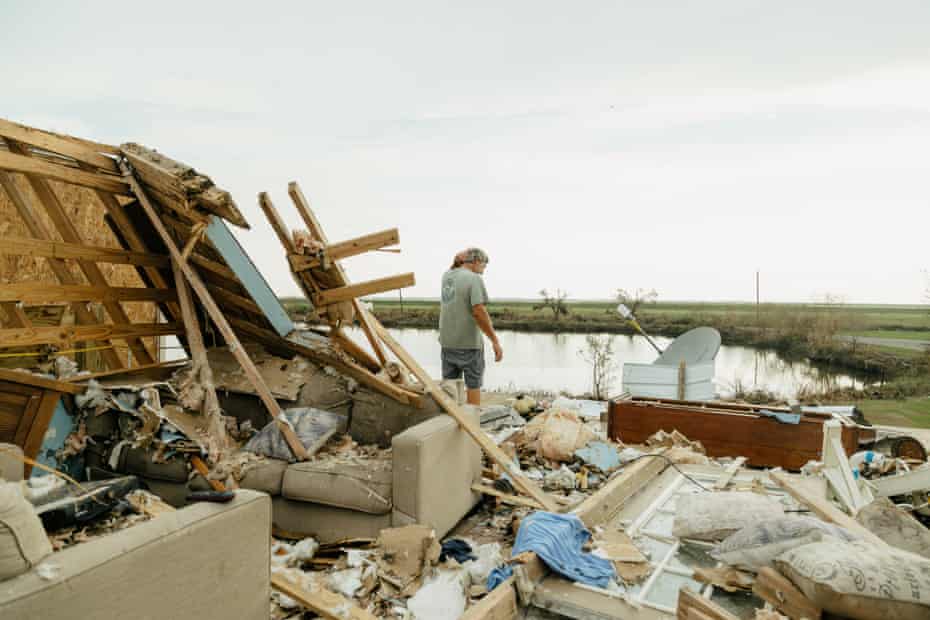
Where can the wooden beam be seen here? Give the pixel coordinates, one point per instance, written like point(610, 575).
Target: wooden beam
point(321, 601)
point(159, 370)
point(313, 225)
point(214, 267)
point(69, 233)
point(59, 267)
point(499, 604)
point(507, 498)
point(58, 249)
point(33, 166)
point(27, 378)
point(58, 144)
point(216, 315)
point(36, 434)
point(778, 591)
point(66, 335)
point(200, 371)
point(37, 293)
point(277, 224)
point(369, 287)
point(237, 301)
point(823, 507)
point(600, 507)
point(520, 481)
point(345, 249)
point(348, 345)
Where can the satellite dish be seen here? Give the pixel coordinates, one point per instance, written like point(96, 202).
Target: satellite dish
point(624, 312)
point(697, 345)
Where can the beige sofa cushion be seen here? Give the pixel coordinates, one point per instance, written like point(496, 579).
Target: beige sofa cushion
point(361, 484)
point(207, 561)
point(435, 465)
point(266, 476)
point(326, 523)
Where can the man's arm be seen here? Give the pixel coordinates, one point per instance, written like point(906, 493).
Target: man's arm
point(483, 319)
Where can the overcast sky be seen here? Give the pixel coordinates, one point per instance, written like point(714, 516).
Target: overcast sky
point(587, 146)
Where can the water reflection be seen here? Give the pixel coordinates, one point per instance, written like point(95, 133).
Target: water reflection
point(551, 362)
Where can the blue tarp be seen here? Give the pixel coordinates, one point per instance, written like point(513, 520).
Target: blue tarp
point(784, 418)
point(557, 540)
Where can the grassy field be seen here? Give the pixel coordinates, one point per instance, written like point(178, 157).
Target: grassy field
point(913, 412)
point(898, 334)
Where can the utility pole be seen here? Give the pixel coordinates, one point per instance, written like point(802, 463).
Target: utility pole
point(757, 297)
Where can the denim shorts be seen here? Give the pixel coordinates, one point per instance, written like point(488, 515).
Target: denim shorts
point(455, 362)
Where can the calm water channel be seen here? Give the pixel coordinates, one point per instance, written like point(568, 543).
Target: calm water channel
point(551, 362)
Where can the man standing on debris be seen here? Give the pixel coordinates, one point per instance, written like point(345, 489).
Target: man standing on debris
point(461, 316)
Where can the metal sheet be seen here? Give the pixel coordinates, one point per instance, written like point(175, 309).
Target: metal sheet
point(251, 279)
point(697, 345)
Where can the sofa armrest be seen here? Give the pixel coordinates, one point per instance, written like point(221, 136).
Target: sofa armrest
point(435, 465)
point(205, 561)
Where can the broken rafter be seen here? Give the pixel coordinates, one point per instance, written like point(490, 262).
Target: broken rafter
point(351, 292)
point(38, 293)
point(58, 249)
point(181, 183)
point(32, 166)
point(219, 319)
point(313, 225)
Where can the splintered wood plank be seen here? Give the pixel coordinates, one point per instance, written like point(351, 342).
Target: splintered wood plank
point(320, 600)
point(59, 268)
point(497, 455)
point(37, 293)
point(58, 249)
point(690, 602)
point(346, 249)
point(69, 233)
point(182, 182)
point(277, 224)
point(351, 292)
point(63, 145)
point(499, 604)
point(69, 334)
point(33, 166)
point(200, 368)
point(219, 319)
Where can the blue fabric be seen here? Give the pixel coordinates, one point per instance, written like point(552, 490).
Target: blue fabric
point(557, 540)
point(499, 575)
point(784, 418)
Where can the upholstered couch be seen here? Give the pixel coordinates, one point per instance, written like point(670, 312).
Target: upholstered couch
point(427, 479)
point(205, 561)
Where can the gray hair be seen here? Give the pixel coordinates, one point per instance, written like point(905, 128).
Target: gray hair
point(474, 255)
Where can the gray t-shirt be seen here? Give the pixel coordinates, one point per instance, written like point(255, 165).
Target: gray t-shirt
point(461, 289)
